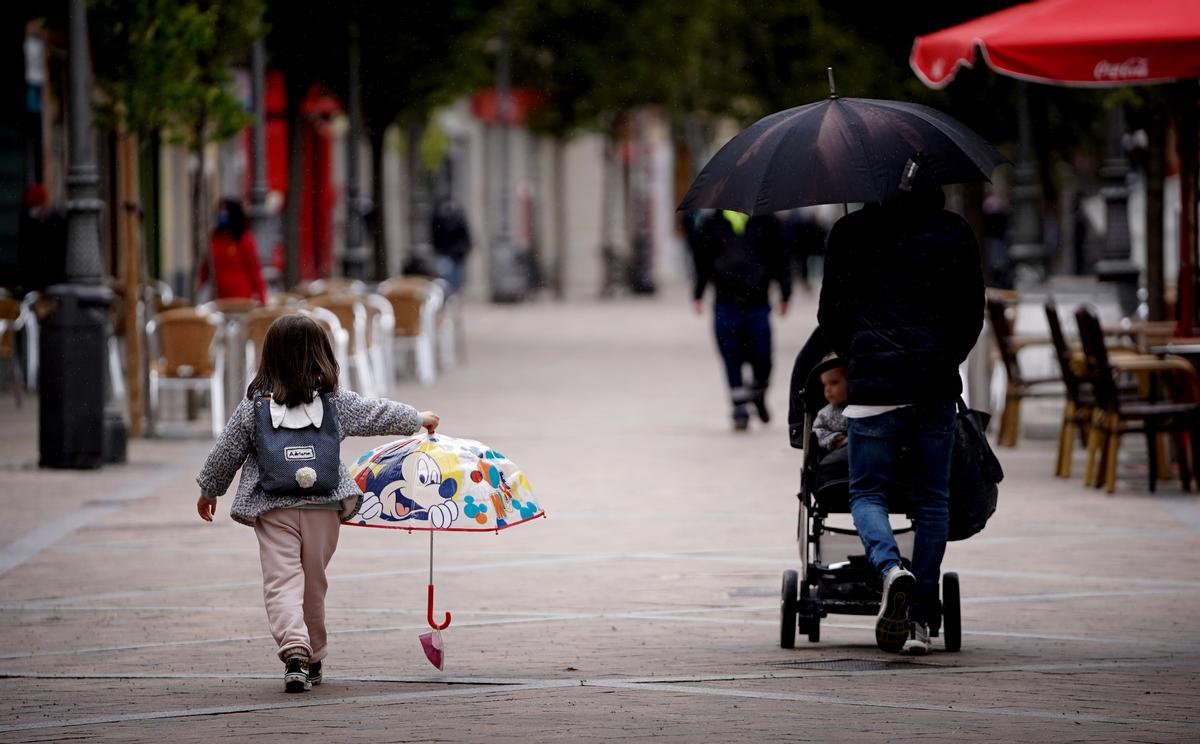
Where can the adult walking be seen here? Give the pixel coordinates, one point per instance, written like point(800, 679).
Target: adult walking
point(234, 256)
point(902, 303)
point(451, 241)
point(741, 256)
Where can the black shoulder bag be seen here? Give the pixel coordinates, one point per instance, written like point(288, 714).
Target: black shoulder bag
point(974, 474)
point(297, 462)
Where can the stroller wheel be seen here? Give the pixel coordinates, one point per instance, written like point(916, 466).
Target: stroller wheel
point(787, 610)
point(951, 612)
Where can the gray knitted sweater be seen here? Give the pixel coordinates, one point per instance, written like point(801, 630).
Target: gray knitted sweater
point(357, 417)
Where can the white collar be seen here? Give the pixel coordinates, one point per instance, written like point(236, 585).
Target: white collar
point(298, 417)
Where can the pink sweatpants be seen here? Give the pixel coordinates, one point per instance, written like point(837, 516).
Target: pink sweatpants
point(295, 546)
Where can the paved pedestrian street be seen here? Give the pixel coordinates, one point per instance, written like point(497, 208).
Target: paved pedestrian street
point(645, 605)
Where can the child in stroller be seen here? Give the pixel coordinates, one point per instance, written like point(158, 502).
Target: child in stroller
point(835, 575)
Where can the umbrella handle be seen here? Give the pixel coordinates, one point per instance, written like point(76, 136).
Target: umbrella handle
point(429, 614)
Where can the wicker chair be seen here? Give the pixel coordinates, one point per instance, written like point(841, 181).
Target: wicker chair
point(332, 285)
point(1116, 415)
point(415, 304)
point(352, 316)
point(1019, 386)
point(187, 353)
point(10, 317)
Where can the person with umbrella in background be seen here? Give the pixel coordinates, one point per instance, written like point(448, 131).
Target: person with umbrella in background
point(741, 255)
point(902, 304)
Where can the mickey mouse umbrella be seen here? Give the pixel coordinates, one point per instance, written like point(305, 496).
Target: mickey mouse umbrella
point(441, 484)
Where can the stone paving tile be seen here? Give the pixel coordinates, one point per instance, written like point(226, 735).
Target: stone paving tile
point(660, 560)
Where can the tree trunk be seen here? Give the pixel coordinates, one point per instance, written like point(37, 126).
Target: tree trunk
point(291, 215)
point(560, 219)
point(378, 194)
point(129, 239)
point(1156, 159)
point(200, 254)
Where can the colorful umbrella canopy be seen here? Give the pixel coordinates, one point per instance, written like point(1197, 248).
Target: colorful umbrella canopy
point(835, 151)
point(1077, 42)
point(441, 483)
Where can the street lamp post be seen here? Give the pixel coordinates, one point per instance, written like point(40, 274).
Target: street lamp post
point(264, 227)
point(1025, 237)
point(1115, 265)
point(75, 427)
point(354, 262)
point(509, 279)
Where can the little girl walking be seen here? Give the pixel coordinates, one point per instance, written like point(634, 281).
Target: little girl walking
point(294, 489)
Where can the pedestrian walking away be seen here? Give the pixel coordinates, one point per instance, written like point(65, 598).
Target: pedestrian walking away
point(451, 241)
point(902, 304)
point(741, 256)
point(285, 436)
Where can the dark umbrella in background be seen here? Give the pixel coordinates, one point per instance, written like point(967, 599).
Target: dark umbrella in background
point(840, 150)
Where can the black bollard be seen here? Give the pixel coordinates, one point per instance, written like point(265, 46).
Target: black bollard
point(71, 377)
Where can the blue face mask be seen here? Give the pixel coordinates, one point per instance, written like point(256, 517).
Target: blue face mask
point(222, 220)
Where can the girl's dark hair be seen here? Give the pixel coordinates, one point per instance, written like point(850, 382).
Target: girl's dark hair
point(296, 360)
point(236, 226)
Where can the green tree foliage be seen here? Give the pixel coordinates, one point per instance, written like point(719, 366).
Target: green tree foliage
point(164, 65)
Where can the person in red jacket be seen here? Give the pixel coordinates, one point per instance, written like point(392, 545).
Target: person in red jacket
point(234, 256)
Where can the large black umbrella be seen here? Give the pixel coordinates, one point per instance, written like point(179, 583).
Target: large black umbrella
point(839, 150)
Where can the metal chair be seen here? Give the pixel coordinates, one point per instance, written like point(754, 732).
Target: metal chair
point(415, 303)
point(187, 353)
point(381, 325)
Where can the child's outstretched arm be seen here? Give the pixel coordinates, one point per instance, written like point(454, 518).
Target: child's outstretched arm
point(226, 457)
point(370, 417)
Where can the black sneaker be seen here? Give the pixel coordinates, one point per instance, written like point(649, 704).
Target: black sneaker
point(314, 673)
point(295, 679)
point(891, 625)
point(741, 424)
point(760, 406)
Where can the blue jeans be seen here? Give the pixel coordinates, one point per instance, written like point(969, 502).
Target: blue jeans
point(875, 444)
point(452, 272)
point(744, 337)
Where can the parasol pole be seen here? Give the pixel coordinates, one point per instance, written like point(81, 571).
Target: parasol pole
point(832, 86)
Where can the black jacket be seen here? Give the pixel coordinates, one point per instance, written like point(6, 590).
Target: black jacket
point(902, 299)
point(741, 267)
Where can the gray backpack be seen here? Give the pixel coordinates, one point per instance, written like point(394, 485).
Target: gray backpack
point(297, 462)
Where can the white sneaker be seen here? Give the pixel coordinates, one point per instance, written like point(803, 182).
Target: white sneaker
point(891, 625)
point(918, 640)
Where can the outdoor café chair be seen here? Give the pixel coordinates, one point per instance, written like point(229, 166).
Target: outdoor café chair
point(332, 285)
point(415, 303)
point(1019, 386)
point(10, 317)
point(451, 340)
point(352, 316)
point(187, 353)
point(1115, 415)
point(381, 325)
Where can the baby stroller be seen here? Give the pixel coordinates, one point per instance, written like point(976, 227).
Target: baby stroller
point(835, 576)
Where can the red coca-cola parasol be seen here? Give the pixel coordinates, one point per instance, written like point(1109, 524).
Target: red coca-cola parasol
point(1075, 42)
point(1098, 43)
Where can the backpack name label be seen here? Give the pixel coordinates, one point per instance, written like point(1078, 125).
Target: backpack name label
point(300, 453)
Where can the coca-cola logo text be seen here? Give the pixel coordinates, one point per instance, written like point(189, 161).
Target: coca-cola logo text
point(1132, 68)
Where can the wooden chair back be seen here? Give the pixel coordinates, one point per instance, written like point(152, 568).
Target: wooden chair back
point(1099, 369)
point(349, 311)
point(258, 322)
point(231, 305)
point(1062, 350)
point(1002, 330)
